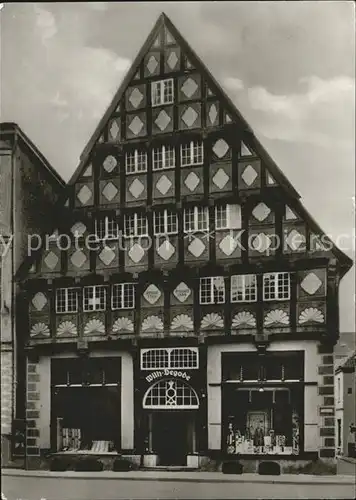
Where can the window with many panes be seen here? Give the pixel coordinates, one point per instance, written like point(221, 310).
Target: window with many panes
point(136, 161)
point(191, 153)
point(163, 157)
point(106, 229)
point(227, 216)
point(196, 219)
point(66, 300)
point(276, 286)
point(212, 290)
point(136, 225)
point(123, 296)
point(162, 92)
point(244, 288)
point(165, 222)
point(170, 357)
point(94, 298)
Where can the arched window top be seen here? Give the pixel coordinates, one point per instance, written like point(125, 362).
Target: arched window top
point(171, 394)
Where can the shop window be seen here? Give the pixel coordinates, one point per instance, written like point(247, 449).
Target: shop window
point(168, 394)
point(178, 358)
point(123, 296)
point(212, 290)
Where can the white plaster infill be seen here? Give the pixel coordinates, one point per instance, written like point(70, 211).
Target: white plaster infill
point(194, 477)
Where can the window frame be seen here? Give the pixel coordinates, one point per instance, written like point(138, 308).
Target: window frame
point(164, 151)
point(107, 220)
point(159, 84)
point(165, 214)
point(244, 289)
point(94, 288)
point(196, 209)
point(122, 286)
point(136, 225)
point(135, 154)
point(228, 209)
point(67, 311)
point(169, 351)
point(199, 145)
point(211, 286)
point(276, 276)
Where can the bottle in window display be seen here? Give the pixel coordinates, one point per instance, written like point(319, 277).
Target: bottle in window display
point(231, 441)
point(258, 438)
point(295, 433)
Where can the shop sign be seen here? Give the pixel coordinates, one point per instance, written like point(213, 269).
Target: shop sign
point(167, 373)
point(182, 292)
point(152, 294)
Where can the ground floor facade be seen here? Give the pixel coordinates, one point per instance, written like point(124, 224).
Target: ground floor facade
point(184, 405)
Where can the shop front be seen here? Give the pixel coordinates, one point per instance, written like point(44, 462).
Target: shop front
point(171, 406)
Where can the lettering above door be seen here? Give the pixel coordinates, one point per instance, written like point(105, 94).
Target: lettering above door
point(167, 373)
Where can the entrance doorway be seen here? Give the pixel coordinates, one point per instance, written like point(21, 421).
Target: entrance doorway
point(173, 436)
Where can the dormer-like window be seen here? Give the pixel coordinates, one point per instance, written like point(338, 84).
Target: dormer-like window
point(136, 162)
point(106, 229)
point(163, 157)
point(162, 92)
point(276, 286)
point(136, 225)
point(191, 153)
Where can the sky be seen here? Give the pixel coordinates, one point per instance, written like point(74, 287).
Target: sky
point(289, 67)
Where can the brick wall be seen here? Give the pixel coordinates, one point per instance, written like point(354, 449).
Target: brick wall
point(6, 391)
point(327, 408)
point(32, 414)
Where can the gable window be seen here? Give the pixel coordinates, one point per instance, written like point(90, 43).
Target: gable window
point(67, 300)
point(106, 229)
point(136, 225)
point(162, 92)
point(196, 219)
point(136, 161)
point(94, 298)
point(191, 153)
point(227, 216)
point(165, 222)
point(212, 290)
point(123, 296)
point(163, 157)
point(276, 286)
point(243, 288)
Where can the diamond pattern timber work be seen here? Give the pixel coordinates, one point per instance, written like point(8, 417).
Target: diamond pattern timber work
point(163, 120)
point(295, 240)
point(136, 253)
point(110, 191)
point(107, 255)
point(261, 212)
point(39, 301)
point(78, 229)
point(311, 283)
point(192, 181)
point(182, 292)
point(228, 245)
point(196, 247)
point(249, 175)
point(152, 64)
point(78, 258)
point(163, 185)
point(220, 179)
point(189, 87)
point(136, 125)
point(152, 294)
point(84, 195)
point(88, 172)
point(189, 116)
point(213, 113)
point(261, 242)
point(136, 97)
point(114, 130)
point(109, 163)
point(136, 188)
point(289, 214)
point(220, 148)
point(166, 250)
point(172, 60)
point(51, 260)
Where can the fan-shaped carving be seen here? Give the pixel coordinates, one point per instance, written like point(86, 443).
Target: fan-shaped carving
point(94, 326)
point(152, 323)
point(182, 322)
point(212, 320)
point(123, 324)
point(243, 318)
point(67, 329)
point(311, 314)
point(40, 329)
point(276, 316)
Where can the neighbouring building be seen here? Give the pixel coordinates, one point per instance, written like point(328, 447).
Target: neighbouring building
point(345, 407)
point(165, 323)
point(29, 187)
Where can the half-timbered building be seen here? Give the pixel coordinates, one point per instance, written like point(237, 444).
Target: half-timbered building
point(186, 307)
